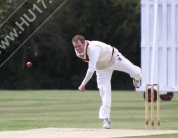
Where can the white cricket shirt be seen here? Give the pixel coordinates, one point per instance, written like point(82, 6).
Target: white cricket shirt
point(98, 55)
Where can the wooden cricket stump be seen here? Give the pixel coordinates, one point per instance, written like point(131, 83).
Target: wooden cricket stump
point(148, 99)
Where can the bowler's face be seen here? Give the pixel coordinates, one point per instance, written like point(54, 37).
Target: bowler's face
point(79, 46)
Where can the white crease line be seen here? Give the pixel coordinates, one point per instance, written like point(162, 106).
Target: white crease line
point(31, 34)
point(12, 14)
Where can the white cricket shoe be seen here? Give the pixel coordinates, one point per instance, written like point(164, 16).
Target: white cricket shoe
point(136, 83)
point(106, 123)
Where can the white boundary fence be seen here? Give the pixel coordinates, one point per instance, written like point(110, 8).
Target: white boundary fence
point(165, 41)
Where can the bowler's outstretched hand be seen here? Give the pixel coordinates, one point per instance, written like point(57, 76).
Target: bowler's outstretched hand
point(81, 88)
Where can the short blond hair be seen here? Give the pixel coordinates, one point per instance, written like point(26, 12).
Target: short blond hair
point(78, 38)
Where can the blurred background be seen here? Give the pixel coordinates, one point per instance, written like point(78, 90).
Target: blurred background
point(55, 65)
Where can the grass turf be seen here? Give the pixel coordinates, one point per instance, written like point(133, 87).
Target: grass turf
point(70, 109)
point(155, 136)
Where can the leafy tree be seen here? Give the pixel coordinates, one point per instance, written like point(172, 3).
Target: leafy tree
point(50, 48)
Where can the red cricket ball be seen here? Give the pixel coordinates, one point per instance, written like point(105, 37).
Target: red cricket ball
point(29, 64)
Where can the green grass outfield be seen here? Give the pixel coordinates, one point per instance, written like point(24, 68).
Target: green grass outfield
point(155, 136)
point(21, 110)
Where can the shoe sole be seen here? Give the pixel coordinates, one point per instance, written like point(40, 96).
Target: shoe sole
point(135, 84)
point(106, 127)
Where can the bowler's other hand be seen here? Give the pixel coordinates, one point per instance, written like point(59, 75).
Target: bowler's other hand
point(81, 88)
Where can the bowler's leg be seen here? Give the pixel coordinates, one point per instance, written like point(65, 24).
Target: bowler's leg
point(123, 64)
point(104, 85)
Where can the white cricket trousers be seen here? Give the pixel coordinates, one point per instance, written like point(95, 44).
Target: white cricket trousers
point(104, 80)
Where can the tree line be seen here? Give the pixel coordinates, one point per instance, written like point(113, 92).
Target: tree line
point(46, 42)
